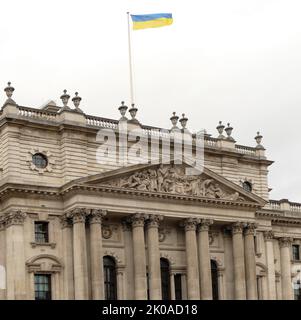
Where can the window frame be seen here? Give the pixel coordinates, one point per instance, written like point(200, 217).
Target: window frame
point(297, 247)
point(110, 278)
point(48, 283)
point(37, 234)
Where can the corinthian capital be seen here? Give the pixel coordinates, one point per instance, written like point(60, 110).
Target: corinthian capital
point(138, 219)
point(97, 215)
point(250, 228)
point(190, 224)
point(66, 222)
point(238, 227)
point(204, 224)
point(78, 215)
point(285, 242)
point(268, 235)
point(16, 217)
point(154, 221)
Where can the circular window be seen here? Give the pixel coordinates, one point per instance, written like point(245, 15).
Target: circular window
point(247, 186)
point(39, 160)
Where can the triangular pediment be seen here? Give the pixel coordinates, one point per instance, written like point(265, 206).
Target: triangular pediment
point(173, 179)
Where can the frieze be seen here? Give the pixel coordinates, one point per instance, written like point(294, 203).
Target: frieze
point(173, 180)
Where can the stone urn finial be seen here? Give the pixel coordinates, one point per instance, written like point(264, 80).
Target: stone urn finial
point(65, 98)
point(229, 130)
point(9, 90)
point(122, 109)
point(183, 121)
point(258, 140)
point(133, 111)
point(220, 128)
point(76, 101)
point(174, 120)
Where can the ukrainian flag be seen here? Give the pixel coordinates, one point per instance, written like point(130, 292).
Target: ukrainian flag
point(151, 20)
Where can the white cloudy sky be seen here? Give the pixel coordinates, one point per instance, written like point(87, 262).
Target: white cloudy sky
point(237, 61)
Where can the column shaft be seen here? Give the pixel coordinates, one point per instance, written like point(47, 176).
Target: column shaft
point(239, 262)
point(15, 259)
point(154, 269)
point(250, 263)
point(193, 283)
point(80, 255)
point(204, 260)
point(97, 280)
point(68, 258)
point(140, 282)
point(270, 262)
point(285, 257)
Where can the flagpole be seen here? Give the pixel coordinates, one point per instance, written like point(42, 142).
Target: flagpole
point(130, 60)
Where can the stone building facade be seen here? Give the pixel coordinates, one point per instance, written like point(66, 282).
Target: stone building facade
point(74, 227)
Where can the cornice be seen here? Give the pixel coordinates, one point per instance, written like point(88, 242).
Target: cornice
point(163, 195)
point(278, 218)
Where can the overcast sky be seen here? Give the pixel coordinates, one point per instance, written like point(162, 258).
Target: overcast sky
point(238, 61)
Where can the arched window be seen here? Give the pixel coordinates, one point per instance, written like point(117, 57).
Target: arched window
point(165, 285)
point(214, 277)
point(110, 282)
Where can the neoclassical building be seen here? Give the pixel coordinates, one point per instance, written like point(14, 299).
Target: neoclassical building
point(73, 226)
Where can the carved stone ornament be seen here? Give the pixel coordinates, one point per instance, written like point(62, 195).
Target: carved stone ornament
point(250, 228)
point(16, 217)
point(238, 227)
point(107, 231)
point(268, 235)
point(163, 232)
point(190, 224)
point(138, 219)
point(285, 242)
point(47, 154)
point(154, 220)
point(172, 179)
point(204, 225)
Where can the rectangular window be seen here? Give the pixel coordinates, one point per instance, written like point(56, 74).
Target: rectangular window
point(41, 232)
point(178, 286)
point(297, 290)
point(42, 285)
point(296, 252)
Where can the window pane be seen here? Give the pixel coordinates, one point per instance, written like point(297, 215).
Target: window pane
point(42, 286)
point(178, 286)
point(110, 281)
point(41, 232)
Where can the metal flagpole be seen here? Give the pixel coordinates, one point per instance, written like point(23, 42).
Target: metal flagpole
point(130, 60)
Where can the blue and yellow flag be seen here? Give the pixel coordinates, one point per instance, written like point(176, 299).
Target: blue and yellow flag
point(154, 20)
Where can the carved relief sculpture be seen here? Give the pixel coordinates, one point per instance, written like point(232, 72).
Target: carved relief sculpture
point(172, 179)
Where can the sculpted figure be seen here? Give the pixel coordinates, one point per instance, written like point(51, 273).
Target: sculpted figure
point(132, 182)
point(161, 176)
point(153, 185)
point(204, 187)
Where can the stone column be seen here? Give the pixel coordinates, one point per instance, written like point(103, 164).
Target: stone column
point(66, 224)
point(2, 260)
point(129, 266)
point(285, 260)
point(172, 286)
point(97, 281)
point(193, 283)
point(204, 259)
point(80, 254)
point(250, 263)
point(15, 256)
point(140, 282)
point(270, 262)
point(154, 269)
point(239, 261)
point(120, 283)
point(229, 268)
